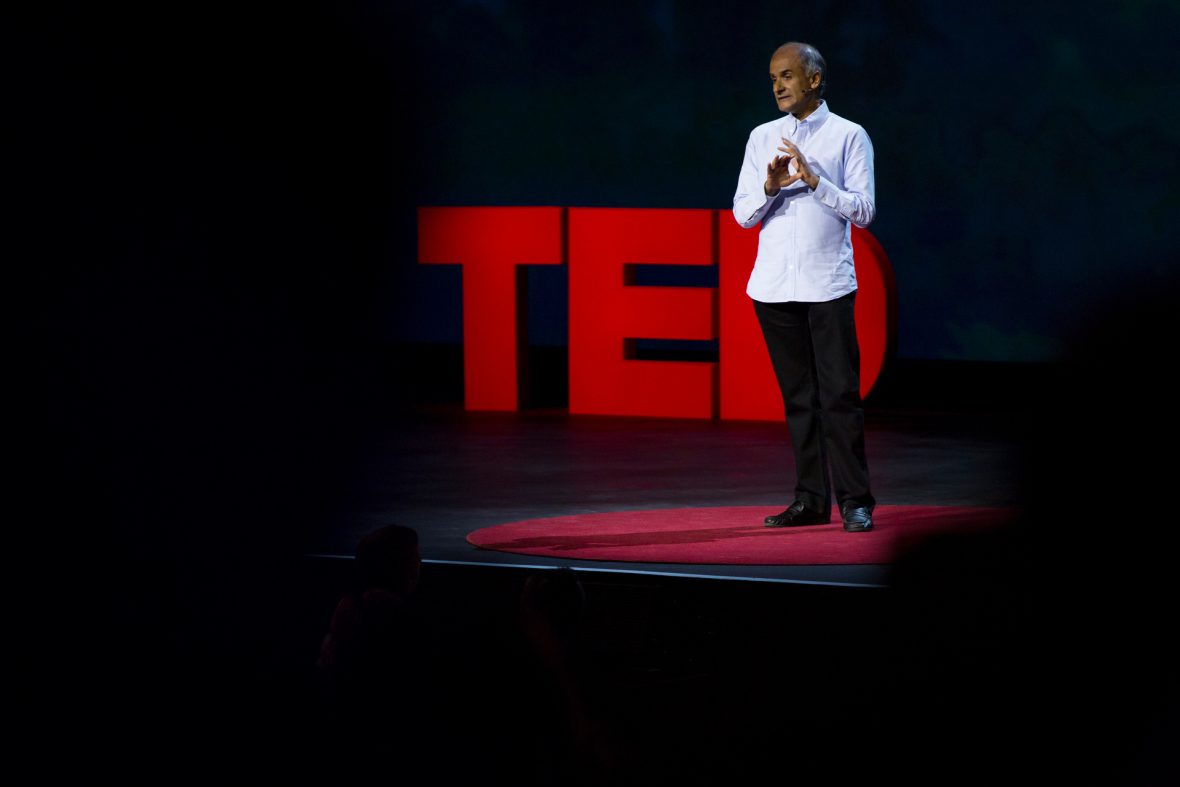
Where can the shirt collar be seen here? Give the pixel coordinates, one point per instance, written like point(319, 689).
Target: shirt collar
point(814, 119)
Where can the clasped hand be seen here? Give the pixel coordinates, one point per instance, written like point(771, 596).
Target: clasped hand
point(779, 174)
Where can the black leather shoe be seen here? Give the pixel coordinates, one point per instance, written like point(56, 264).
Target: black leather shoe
point(796, 516)
point(857, 519)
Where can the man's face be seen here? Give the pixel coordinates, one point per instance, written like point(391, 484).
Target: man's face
point(790, 82)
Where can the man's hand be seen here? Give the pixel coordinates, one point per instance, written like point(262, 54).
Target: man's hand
point(778, 175)
point(803, 170)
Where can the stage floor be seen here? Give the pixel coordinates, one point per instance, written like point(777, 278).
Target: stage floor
point(446, 472)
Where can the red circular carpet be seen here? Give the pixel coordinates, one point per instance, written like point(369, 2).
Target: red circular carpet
point(731, 534)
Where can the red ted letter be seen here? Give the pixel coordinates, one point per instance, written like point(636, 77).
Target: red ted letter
point(490, 244)
point(604, 312)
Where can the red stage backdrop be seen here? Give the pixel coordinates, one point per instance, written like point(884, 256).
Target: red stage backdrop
point(600, 246)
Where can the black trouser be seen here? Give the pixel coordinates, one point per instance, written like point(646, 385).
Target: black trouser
point(817, 362)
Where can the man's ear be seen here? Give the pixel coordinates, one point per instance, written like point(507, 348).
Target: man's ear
point(816, 78)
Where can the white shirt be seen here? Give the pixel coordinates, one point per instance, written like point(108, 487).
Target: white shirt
point(805, 244)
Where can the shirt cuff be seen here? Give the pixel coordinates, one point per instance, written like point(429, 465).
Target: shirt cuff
point(826, 192)
point(761, 210)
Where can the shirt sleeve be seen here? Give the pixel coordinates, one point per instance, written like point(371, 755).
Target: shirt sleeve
point(750, 202)
point(857, 201)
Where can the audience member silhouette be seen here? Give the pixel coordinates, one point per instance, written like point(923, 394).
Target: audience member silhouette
point(1097, 479)
point(1044, 651)
point(377, 662)
point(370, 627)
point(575, 745)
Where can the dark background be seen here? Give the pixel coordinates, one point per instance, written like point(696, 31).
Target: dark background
point(225, 310)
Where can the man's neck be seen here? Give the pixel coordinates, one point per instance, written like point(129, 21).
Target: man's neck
point(803, 114)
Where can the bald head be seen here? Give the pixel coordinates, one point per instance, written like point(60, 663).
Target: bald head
point(809, 57)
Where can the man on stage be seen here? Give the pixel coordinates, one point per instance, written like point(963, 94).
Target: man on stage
point(807, 177)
